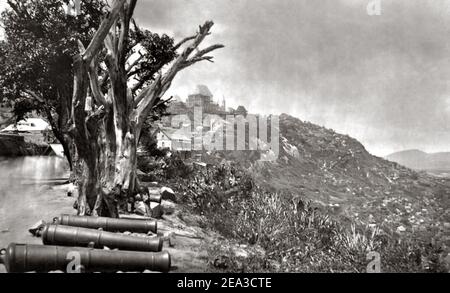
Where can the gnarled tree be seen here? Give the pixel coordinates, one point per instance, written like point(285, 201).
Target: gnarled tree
point(124, 89)
point(36, 58)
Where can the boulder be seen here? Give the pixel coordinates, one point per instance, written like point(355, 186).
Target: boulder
point(168, 207)
point(156, 210)
point(154, 190)
point(140, 208)
point(168, 194)
point(36, 228)
point(401, 229)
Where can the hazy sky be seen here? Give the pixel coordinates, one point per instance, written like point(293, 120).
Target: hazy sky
point(384, 80)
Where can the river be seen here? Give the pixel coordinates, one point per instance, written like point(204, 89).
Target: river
point(31, 189)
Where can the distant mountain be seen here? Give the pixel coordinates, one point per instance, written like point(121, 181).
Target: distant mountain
point(419, 160)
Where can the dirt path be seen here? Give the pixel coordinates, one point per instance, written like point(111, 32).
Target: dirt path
point(187, 247)
point(31, 190)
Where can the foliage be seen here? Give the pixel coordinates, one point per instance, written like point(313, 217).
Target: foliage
point(296, 235)
point(37, 54)
point(37, 57)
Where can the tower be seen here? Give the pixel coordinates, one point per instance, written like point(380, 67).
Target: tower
point(224, 106)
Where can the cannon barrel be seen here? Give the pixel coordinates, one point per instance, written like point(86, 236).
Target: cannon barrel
point(155, 198)
point(21, 258)
point(108, 224)
point(76, 236)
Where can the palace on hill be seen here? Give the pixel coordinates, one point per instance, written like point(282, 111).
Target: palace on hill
point(174, 134)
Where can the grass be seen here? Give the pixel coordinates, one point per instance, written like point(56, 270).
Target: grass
point(295, 235)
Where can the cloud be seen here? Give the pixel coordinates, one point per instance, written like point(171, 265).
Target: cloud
point(384, 80)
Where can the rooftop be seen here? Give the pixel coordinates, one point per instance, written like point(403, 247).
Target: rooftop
point(202, 90)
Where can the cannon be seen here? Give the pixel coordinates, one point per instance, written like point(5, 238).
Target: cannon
point(21, 258)
point(75, 236)
point(108, 224)
point(155, 198)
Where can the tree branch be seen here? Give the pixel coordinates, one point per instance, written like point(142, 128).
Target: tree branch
point(123, 35)
point(93, 119)
point(147, 97)
point(103, 31)
point(34, 96)
point(131, 7)
point(200, 56)
point(141, 82)
point(208, 50)
point(178, 45)
point(93, 79)
point(125, 19)
point(147, 92)
point(135, 62)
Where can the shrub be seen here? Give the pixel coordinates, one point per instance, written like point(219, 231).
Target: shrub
point(296, 235)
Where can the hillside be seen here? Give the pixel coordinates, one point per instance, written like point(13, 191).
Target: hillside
point(320, 206)
point(418, 160)
point(337, 172)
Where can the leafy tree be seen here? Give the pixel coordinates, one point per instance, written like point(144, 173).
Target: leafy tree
point(120, 75)
point(36, 57)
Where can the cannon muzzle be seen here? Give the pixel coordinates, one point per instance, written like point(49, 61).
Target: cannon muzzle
point(76, 236)
point(108, 224)
point(21, 258)
point(155, 198)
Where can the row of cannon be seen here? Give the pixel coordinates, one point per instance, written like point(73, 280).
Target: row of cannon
point(77, 244)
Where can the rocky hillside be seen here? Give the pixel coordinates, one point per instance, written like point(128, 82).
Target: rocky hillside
point(320, 206)
point(337, 172)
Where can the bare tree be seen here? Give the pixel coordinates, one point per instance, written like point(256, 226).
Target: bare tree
point(106, 132)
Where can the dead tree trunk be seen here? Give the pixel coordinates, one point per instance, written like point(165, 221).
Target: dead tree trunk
point(106, 133)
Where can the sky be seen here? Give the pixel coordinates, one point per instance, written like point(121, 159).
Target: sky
point(382, 79)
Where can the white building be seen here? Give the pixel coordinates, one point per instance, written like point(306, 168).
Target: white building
point(173, 139)
point(28, 125)
point(32, 129)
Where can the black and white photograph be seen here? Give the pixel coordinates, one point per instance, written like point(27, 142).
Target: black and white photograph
point(243, 138)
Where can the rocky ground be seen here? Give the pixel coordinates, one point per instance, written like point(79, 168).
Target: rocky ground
point(337, 173)
point(185, 235)
point(222, 218)
point(345, 182)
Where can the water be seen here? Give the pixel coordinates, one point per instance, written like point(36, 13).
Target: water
point(31, 189)
point(15, 172)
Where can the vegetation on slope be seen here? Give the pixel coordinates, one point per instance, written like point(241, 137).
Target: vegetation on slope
point(322, 206)
point(295, 234)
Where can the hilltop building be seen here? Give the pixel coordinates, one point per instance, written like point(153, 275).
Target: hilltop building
point(241, 111)
point(175, 134)
point(202, 97)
